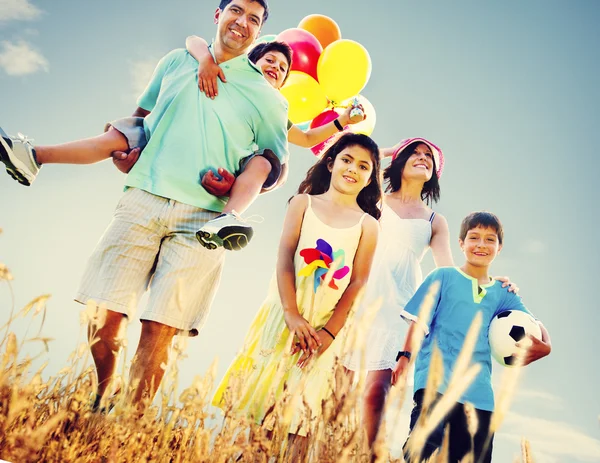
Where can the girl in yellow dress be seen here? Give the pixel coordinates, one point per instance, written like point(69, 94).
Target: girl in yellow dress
point(324, 259)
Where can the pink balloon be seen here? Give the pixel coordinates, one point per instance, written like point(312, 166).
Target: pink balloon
point(324, 118)
point(306, 50)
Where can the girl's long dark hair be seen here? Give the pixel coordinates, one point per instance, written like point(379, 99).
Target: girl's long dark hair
point(392, 175)
point(318, 178)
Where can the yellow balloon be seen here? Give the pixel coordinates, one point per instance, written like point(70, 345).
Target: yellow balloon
point(344, 69)
point(366, 126)
point(305, 97)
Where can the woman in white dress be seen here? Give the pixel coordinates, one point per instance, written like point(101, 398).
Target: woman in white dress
point(408, 228)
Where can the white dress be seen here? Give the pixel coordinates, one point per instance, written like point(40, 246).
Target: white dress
point(394, 279)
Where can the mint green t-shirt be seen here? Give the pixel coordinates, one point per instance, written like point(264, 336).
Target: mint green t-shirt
point(190, 134)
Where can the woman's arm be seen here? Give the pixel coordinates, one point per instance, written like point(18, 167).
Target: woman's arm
point(208, 70)
point(286, 276)
point(318, 135)
point(440, 242)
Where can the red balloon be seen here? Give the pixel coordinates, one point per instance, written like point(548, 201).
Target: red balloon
point(306, 50)
point(324, 118)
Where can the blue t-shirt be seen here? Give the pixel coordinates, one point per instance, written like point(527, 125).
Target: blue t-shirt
point(457, 302)
point(190, 133)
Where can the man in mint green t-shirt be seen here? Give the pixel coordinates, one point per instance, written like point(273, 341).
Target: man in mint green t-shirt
point(151, 243)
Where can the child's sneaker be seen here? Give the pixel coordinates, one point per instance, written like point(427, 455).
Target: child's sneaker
point(18, 154)
point(228, 230)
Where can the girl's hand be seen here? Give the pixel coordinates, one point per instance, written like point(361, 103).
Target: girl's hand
point(400, 370)
point(208, 71)
point(513, 288)
point(325, 341)
point(308, 339)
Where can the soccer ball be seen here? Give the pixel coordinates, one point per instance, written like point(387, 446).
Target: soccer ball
point(506, 329)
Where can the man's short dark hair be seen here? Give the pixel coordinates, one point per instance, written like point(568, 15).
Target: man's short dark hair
point(260, 50)
point(262, 3)
point(481, 219)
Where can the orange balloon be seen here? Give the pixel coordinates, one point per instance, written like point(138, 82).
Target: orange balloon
point(322, 27)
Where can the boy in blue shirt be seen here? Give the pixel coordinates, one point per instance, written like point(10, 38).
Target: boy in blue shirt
point(464, 291)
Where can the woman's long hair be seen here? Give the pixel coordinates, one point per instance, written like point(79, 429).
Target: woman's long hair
point(392, 175)
point(318, 178)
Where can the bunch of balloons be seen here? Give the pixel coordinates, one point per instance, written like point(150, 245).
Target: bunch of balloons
point(327, 74)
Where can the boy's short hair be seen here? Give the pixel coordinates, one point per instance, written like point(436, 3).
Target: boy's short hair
point(481, 219)
point(223, 4)
point(260, 50)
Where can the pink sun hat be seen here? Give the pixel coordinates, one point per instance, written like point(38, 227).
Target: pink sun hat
point(438, 156)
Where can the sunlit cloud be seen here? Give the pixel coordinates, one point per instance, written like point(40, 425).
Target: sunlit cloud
point(18, 10)
point(553, 440)
point(20, 58)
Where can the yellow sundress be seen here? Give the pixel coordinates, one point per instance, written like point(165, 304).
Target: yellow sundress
point(264, 366)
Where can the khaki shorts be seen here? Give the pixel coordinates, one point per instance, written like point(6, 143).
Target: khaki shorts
point(151, 245)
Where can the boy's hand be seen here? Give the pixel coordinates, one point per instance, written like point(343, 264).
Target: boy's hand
point(513, 288)
point(208, 71)
point(125, 161)
point(216, 186)
point(537, 350)
point(345, 118)
point(400, 370)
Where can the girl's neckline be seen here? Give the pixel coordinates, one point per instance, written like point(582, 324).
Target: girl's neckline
point(329, 226)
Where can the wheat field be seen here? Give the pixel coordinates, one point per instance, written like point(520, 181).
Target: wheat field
point(47, 418)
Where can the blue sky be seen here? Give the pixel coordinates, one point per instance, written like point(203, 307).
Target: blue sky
point(509, 90)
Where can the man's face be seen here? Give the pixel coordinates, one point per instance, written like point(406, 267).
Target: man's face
point(238, 25)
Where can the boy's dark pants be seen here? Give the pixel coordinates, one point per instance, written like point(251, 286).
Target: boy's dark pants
point(460, 439)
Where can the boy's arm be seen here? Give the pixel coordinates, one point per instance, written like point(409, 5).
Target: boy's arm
point(318, 135)
point(208, 70)
point(539, 348)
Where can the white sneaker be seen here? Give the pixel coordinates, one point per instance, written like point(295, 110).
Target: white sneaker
point(18, 154)
point(228, 230)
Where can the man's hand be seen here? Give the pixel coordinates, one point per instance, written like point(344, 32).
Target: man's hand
point(537, 350)
point(513, 288)
point(208, 71)
point(216, 186)
point(125, 161)
point(400, 370)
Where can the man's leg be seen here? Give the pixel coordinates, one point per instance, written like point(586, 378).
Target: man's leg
point(105, 350)
point(151, 355)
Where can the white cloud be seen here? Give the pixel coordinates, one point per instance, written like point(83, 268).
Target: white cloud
point(547, 399)
point(141, 72)
point(551, 441)
point(20, 58)
point(535, 247)
point(18, 10)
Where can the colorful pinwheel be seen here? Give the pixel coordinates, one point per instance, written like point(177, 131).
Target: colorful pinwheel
point(319, 261)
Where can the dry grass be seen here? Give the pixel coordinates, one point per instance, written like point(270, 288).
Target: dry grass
point(49, 419)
